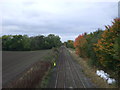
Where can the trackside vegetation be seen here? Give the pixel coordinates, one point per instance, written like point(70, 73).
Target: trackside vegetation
point(25, 43)
point(102, 47)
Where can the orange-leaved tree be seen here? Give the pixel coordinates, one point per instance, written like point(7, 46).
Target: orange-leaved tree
point(107, 48)
point(79, 45)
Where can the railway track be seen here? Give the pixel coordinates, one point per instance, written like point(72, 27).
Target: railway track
point(75, 70)
point(60, 77)
point(69, 73)
point(74, 82)
point(86, 82)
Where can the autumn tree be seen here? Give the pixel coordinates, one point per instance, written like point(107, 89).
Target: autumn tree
point(107, 48)
point(79, 44)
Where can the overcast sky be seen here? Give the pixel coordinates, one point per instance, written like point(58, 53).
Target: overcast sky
point(66, 18)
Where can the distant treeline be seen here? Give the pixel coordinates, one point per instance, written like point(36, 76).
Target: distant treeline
point(25, 43)
point(102, 47)
point(69, 44)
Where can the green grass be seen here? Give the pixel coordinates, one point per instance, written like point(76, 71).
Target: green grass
point(45, 79)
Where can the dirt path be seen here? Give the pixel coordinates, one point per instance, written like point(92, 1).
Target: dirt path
point(68, 73)
point(14, 63)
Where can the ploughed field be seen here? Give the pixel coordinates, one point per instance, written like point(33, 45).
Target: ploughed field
point(14, 63)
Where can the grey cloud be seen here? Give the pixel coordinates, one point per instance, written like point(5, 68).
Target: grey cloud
point(70, 20)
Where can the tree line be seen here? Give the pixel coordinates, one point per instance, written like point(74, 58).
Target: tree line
point(26, 43)
point(69, 44)
point(102, 47)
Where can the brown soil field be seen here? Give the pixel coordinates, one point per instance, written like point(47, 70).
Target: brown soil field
point(14, 63)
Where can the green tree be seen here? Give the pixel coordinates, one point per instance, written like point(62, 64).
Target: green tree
point(70, 44)
point(52, 41)
point(37, 42)
point(6, 42)
point(92, 39)
point(23, 42)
